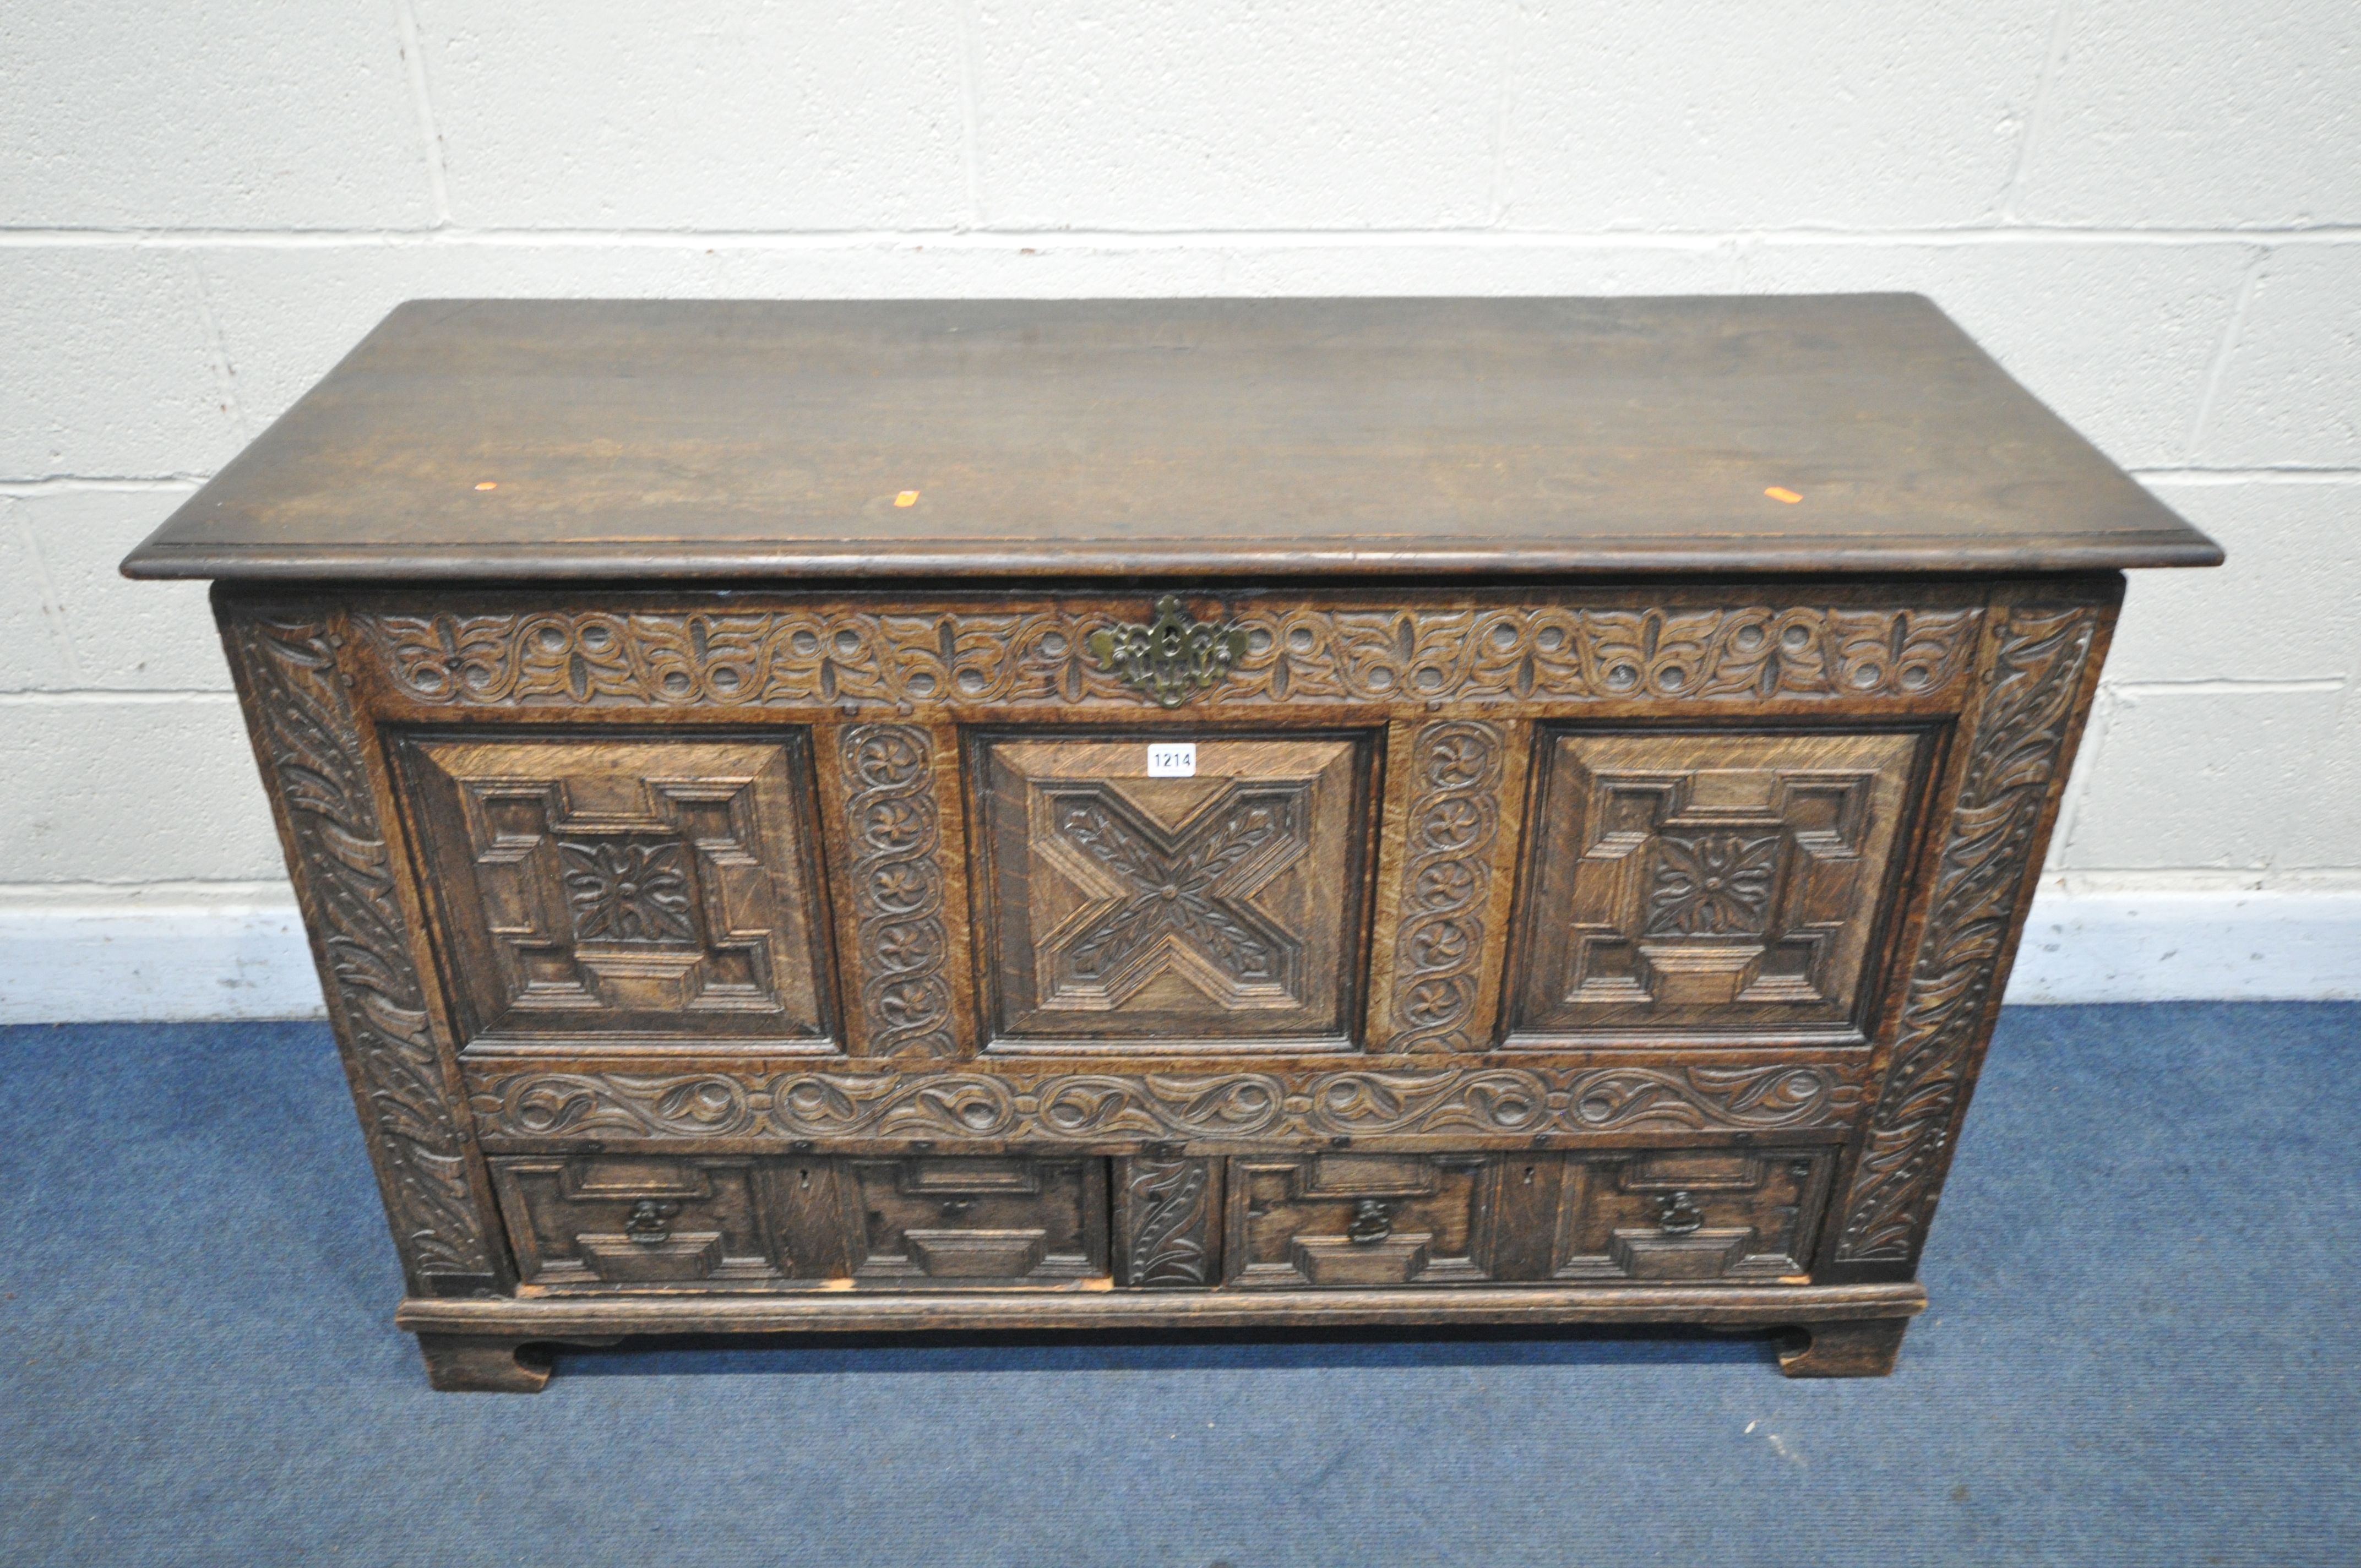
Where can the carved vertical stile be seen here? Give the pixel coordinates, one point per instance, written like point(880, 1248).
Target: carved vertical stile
point(1168, 1217)
point(2042, 660)
point(901, 942)
point(308, 741)
point(1449, 839)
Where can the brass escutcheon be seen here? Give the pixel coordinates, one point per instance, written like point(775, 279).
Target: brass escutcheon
point(1173, 657)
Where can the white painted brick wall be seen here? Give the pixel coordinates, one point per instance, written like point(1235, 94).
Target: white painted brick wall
point(2150, 210)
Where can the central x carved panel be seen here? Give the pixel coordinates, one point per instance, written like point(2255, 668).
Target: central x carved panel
point(1221, 909)
point(1180, 898)
point(1710, 883)
point(629, 890)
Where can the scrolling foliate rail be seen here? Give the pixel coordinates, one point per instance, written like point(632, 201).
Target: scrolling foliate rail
point(1096, 1107)
point(1038, 653)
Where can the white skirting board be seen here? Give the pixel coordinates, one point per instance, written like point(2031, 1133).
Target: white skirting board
point(158, 961)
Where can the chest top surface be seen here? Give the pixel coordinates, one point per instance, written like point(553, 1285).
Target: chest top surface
point(525, 440)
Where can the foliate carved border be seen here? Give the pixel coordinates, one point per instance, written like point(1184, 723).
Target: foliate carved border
point(901, 943)
point(311, 745)
point(1038, 653)
point(2019, 748)
point(1446, 879)
point(1098, 1107)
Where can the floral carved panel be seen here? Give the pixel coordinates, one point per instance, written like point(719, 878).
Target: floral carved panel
point(1710, 881)
point(626, 888)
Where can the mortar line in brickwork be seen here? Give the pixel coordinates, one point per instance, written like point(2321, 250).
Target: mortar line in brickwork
point(2037, 115)
point(53, 604)
point(421, 98)
point(2226, 350)
point(28, 890)
point(103, 696)
point(971, 25)
point(2278, 474)
point(136, 483)
point(2224, 687)
point(1071, 240)
point(70, 484)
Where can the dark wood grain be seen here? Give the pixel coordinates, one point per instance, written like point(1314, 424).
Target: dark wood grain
point(1214, 438)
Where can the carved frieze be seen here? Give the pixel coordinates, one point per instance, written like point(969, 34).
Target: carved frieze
point(2019, 749)
point(1271, 653)
point(310, 747)
point(1101, 1107)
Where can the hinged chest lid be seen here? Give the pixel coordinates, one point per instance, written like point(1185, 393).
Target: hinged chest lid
point(525, 440)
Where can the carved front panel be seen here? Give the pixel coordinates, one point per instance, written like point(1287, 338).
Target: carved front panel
point(953, 1221)
point(1710, 882)
point(1356, 1219)
point(1685, 1215)
point(1220, 910)
point(592, 1224)
point(626, 888)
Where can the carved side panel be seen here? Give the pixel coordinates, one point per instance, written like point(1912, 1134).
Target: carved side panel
point(1711, 882)
point(1219, 909)
point(900, 944)
point(630, 889)
point(1450, 834)
point(2020, 749)
point(1168, 1229)
point(309, 744)
point(1038, 653)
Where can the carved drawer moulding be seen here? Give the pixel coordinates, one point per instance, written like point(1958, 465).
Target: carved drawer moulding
point(1008, 815)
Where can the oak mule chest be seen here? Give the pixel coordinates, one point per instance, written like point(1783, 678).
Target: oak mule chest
point(1007, 815)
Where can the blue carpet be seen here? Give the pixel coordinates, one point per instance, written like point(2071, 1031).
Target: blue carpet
point(2142, 1351)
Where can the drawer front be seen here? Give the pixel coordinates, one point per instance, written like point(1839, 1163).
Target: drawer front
point(976, 1221)
point(625, 890)
point(618, 1222)
point(1359, 1221)
point(1175, 891)
point(1682, 1216)
point(1710, 883)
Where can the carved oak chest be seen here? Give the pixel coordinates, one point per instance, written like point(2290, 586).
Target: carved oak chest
point(995, 815)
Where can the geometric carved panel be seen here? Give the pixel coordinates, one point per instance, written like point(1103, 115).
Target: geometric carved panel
point(619, 1224)
point(1216, 912)
point(1688, 1216)
point(1710, 883)
point(1359, 1220)
point(648, 891)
